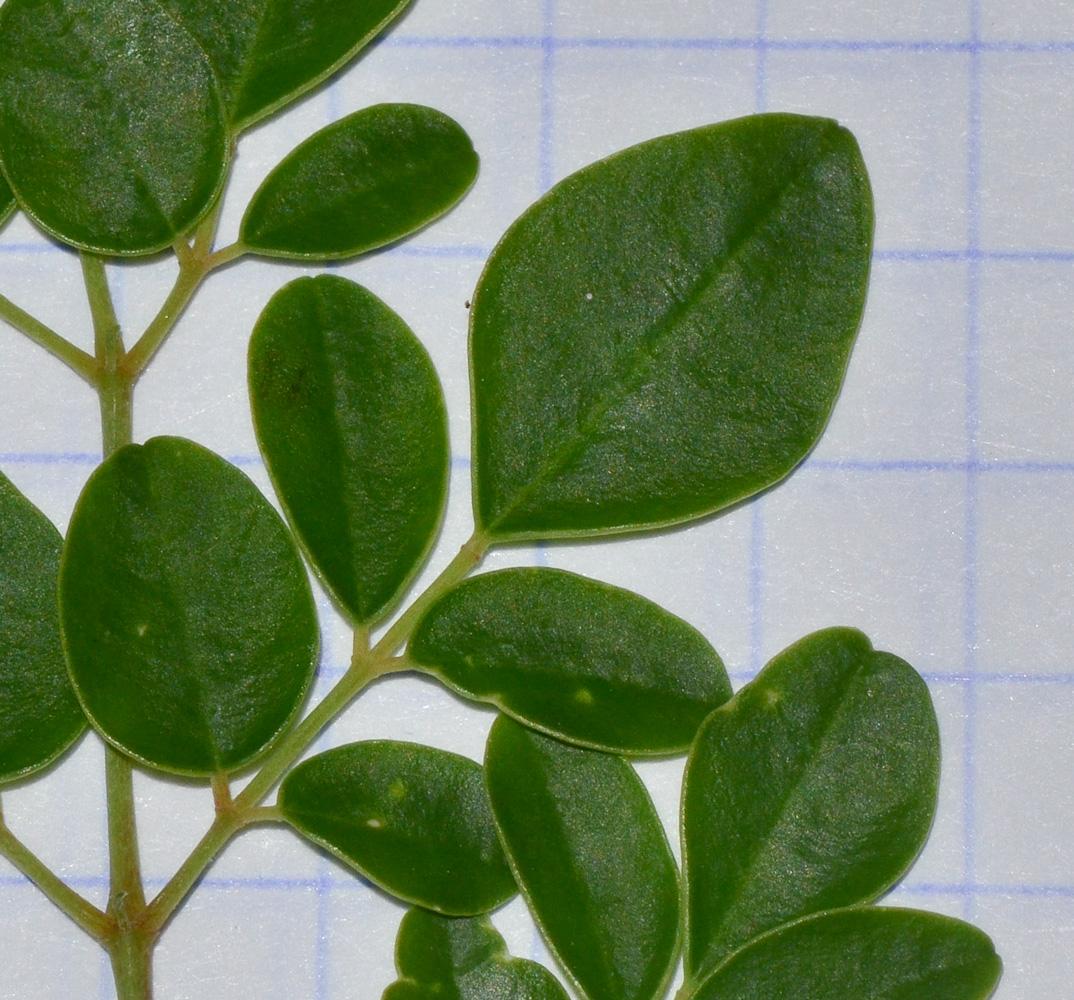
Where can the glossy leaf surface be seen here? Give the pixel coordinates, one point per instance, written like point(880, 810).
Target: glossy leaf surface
point(7, 201)
point(591, 858)
point(867, 953)
point(268, 52)
point(112, 129)
point(665, 332)
point(350, 418)
point(413, 819)
point(813, 788)
point(188, 619)
point(582, 660)
point(463, 958)
point(365, 181)
point(39, 714)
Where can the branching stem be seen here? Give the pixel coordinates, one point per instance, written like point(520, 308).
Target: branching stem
point(81, 363)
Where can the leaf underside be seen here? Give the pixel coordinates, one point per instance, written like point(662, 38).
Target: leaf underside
point(188, 619)
point(665, 332)
point(414, 819)
point(814, 788)
point(582, 660)
point(351, 420)
point(112, 130)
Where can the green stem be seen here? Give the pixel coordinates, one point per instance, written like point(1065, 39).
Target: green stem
point(81, 363)
point(115, 388)
point(95, 923)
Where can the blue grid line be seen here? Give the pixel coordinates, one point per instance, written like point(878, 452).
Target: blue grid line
point(761, 85)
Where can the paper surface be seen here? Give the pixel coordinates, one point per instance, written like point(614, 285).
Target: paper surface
point(935, 514)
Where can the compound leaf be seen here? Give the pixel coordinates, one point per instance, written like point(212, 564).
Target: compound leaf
point(367, 180)
point(591, 858)
point(268, 52)
point(463, 958)
point(112, 129)
point(39, 714)
point(413, 819)
point(665, 332)
point(868, 953)
point(582, 660)
point(188, 620)
point(814, 788)
point(351, 421)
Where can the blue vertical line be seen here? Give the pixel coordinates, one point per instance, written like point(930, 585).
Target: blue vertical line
point(970, 627)
point(548, 61)
point(756, 585)
point(761, 80)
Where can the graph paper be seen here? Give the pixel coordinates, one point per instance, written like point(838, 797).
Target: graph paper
point(935, 514)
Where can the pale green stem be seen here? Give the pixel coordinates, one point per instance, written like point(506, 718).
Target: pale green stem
point(114, 387)
point(81, 363)
point(93, 921)
point(366, 666)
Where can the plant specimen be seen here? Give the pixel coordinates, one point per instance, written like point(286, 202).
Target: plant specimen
point(660, 337)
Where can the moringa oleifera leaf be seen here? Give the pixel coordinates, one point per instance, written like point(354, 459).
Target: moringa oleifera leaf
point(112, 130)
point(413, 819)
point(463, 958)
point(7, 201)
point(666, 331)
point(864, 953)
point(187, 615)
point(268, 52)
point(813, 788)
point(351, 420)
point(364, 181)
point(39, 714)
point(585, 661)
point(591, 857)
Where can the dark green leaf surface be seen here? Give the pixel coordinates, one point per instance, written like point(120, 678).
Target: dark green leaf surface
point(463, 958)
point(267, 52)
point(591, 859)
point(112, 127)
point(665, 332)
point(579, 659)
point(813, 788)
point(866, 953)
point(188, 620)
point(413, 819)
point(367, 180)
point(39, 714)
point(351, 421)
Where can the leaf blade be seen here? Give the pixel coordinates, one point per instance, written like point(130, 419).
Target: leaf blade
point(814, 788)
point(351, 419)
point(591, 858)
point(112, 128)
point(587, 662)
point(361, 183)
point(665, 332)
point(870, 953)
point(187, 616)
point(39, 714)
point(413, 819)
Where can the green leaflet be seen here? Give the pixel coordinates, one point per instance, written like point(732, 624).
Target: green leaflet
point(665, 332)
point(865, 953)
point(112, 129)
point(463, 958)
point(814, 788)
point(365, 181)
point(591, 859)
point(268, 52)
point(39, 714)
point(582, 660)
point(351, 420)
point(187, 615)
point(413, 819)
point(7, 201)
